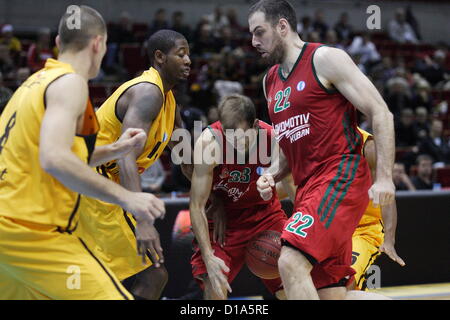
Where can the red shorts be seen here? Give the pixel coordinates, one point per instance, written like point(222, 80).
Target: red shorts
point(326, 212)
point(236, 239)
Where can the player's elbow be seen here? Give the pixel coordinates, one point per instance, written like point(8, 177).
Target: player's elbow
point(50, 162)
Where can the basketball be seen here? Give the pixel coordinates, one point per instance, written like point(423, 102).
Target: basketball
point(262, 253)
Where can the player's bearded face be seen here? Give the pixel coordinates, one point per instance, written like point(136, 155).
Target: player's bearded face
point(276, 54)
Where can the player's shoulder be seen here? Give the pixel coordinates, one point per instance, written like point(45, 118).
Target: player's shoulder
point(146, 90)
point(326, 54)
point(71, 84)
point(208, 137)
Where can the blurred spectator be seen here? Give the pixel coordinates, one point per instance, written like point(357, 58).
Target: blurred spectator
point(319, 24)
point(7, 67)
point(398, 94)
point(305, 27)
point(421, 126)
point(180, 26)
point(5, 94)
point(332, 39)
point(40, 51)
point(22, 75)
point(343, 29)
point(153, 178)
point(233, 22)
point(159, 22)
point(204, 42)
point(217, 20)
point(404, 130)
point(413, 22)
point(400, 30)
point(423, 179)
point(7, 38)
point(422, 95)
point(434, 69)
point(213, 114)
point(435, 144)
point(226, 41)
point(383, 71)
point(401, 179)
point(313, 37)
point(366, 49)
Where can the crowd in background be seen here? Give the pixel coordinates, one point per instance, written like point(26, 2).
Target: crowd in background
point(412, 76)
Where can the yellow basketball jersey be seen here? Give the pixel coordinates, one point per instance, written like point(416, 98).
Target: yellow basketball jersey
point(158, 135)
point(372, 214)
point(27, 192)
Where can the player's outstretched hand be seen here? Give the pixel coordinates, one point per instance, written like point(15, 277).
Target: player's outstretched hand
point(216, 269)
point(144, 206)
point(147, 239)
point(264, 185)
point(389, 248)
point(131, 139)
point(382, 193)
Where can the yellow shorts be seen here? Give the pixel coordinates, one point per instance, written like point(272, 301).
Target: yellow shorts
point(38, 262)
point(109, 230)
point(366, 242)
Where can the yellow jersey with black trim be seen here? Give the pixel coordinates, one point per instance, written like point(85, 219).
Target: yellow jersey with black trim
point(159, 133)
point(372, 214)
point(27, 192)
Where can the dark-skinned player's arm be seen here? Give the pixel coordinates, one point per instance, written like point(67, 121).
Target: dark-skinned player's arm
point(143, 103)
point(64, 112)
point(335, 68)
point(201, 184)
point(186, 168)
point(388, 212)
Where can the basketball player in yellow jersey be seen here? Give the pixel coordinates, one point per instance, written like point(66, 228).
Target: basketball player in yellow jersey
point(147, 103)
point(376, 230)
point(47, 136)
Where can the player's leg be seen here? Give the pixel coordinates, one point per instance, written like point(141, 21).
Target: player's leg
point(295, 271)
point(210, 294)
point(365, 249)
point(56, 265)
point(364, 295)
point(150, 283)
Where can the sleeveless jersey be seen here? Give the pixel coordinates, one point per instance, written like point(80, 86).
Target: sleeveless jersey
point(27, 192)
point(235, 183)
point(158, 135)
point(315, 126)
point(371, 214)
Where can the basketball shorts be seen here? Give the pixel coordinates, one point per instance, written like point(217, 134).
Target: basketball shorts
point(109, 230)
point(236, 240)
point(38, 262)
point(366, 242)
point(326, 212)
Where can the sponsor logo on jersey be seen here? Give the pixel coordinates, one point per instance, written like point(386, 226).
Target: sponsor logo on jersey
point(294, 128)
point(301, 85)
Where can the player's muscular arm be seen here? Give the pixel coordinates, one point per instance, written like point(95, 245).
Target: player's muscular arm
point(64, 111)
point(335, 68)
point(388, 212)
point(137, 108)
point(201, 184)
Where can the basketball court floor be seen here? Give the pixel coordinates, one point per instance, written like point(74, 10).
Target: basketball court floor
point(436, 291)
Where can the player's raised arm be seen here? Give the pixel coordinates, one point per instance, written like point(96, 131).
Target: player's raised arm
point(335, 68)
point(201, 184)
point(59, 125)
point(388, 212)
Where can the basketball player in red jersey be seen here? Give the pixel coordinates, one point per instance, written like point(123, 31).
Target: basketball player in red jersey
point(312, 92)
point(234, 183)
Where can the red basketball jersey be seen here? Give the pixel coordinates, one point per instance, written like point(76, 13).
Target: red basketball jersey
point(313, 125)
point(235, 183)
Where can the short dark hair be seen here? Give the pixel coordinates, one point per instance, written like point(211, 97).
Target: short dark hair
point(274, 10)
point(235, 108)
point(162, 40)
point(91, 25)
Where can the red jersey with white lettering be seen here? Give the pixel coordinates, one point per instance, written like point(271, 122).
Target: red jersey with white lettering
point(315, 126)
point(235, 179)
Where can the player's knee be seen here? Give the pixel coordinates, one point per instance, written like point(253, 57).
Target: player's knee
point(293, 262)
